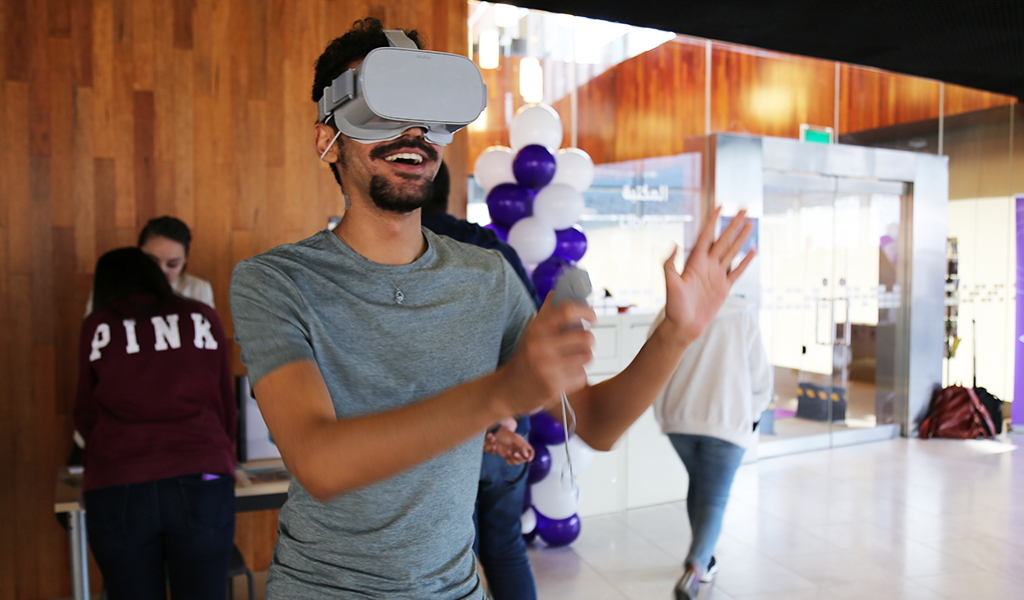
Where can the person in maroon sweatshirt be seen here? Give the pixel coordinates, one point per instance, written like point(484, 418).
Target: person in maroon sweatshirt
point(156, 408)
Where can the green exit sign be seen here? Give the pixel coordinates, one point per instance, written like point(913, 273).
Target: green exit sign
point(815, 134)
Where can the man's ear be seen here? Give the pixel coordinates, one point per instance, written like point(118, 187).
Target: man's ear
point(323, 136)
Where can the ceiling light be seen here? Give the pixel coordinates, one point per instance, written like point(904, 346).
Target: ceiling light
point(531, 80)
point(506, 15)
point(489, 49)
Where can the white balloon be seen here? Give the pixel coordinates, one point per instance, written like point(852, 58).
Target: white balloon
point(533, 239)
point(536, 124)
point(581, 454)
point(528, 521)
point(556, 497)
point(574, 167)
point(494, 166)
point(559, 205)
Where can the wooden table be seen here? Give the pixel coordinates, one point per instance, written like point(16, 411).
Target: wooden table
point(259, 485)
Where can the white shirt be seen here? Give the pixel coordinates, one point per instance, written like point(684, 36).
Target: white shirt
point(723, 381)
point(187, 285)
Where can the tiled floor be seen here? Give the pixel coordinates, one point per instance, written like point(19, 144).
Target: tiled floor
point(900, 520)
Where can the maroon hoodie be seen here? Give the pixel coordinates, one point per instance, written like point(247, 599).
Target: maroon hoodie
point(155, 398)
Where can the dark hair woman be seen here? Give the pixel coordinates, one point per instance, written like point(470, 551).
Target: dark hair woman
point(166, 240)
point(156, 408)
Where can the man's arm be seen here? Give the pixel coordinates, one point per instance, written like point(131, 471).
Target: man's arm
point(330, 455)
point(606, 410)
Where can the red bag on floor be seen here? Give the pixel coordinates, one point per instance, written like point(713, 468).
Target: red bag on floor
point(956, 412)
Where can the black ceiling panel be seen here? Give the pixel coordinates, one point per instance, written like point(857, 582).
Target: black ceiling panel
point(975, 43)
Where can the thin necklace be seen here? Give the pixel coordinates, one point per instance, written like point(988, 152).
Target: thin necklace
point(399, 296)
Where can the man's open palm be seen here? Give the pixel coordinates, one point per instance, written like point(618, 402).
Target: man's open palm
point(693, 297)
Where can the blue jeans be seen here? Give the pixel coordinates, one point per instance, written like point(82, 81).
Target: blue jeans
point(499, 541)
point(184, 524)
point(711, 464)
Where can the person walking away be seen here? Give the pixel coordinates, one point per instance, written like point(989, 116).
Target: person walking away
point(709, 409)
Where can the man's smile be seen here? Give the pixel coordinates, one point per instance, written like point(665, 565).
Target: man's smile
point(406, 158)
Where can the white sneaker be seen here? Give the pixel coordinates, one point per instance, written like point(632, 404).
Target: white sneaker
point(709, 574)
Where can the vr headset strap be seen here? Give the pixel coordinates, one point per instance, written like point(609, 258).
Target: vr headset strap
point(343, 88)
point(398, 39)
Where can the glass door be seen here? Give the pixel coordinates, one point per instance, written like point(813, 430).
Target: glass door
point(827, 247)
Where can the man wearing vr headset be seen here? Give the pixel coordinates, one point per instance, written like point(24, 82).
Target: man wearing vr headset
point(381, 352)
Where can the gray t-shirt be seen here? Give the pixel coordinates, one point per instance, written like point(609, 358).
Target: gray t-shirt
point(410, 535)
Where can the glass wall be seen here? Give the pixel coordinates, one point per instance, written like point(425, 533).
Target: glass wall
point(644, 103)
point(986, 175)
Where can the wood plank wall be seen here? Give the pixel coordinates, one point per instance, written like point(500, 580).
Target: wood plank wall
point(116, 111)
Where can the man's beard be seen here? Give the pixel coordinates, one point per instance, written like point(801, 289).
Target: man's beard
point(388, 197)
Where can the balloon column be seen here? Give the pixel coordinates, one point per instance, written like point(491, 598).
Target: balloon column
point(553, 496)
point(535, 194)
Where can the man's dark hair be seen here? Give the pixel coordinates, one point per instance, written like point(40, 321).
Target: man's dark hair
point(128, 271)
point(167, 227)
point(438, 201)
point(366, 35)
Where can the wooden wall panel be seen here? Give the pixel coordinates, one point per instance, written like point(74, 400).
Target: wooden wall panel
point(27, 488)
point(39, 80)
point(596, 119)
point(649, 121)
point(41, 250)
point(16, 40)
point(767, 93)
point(491, 128)
point(958, 100)
point(115, 111)
point(81, 41)
point(102, 68)
point(8, 571)
point(869, 99)
point(83, 232)
point(61, 109)
point(17, 194)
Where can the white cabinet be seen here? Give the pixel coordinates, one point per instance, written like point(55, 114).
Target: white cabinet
point(642, 469)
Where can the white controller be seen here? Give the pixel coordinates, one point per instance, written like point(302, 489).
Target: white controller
point(573, 285)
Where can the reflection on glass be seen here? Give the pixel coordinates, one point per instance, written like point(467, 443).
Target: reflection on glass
point(637, 212)
point(829, 298)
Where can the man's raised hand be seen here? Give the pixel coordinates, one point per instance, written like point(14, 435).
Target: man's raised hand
point(693, 297)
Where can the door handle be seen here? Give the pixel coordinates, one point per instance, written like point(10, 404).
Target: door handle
point(846, 326)
point(824, 335)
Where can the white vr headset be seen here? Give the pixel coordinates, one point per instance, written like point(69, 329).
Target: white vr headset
point(401, 87)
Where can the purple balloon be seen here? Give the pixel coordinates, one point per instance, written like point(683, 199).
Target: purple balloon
point(534, 166)
point(570, 244)
point(540, 465)
point(529, 537)
point(545, 431)
point(558, 532)
point(527, 497)
point(547, 273)
point(508, 202)
point(499, 229)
